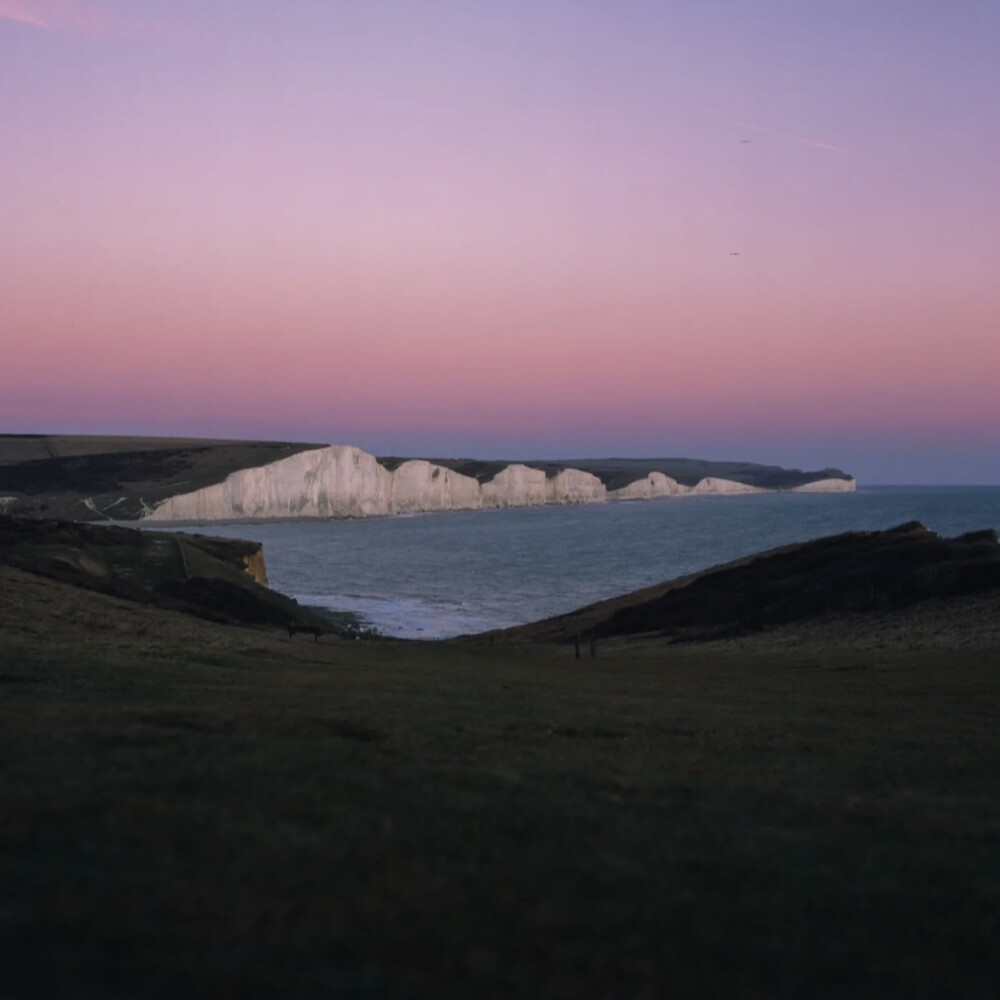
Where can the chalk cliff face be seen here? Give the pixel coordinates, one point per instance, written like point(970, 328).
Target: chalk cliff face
point(653, 486)
point(828, 486)
point(574, 486)
point(339, 481)
point(656, 485)
point(515, 486)
point(421, 486)
point(522, 486)
point(713, 485)
point(343, 481)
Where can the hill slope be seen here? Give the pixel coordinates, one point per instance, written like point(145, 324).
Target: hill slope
point(861, 571)
point(223, 580)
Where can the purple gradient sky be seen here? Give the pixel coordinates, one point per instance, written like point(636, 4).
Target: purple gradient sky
point(508, 229)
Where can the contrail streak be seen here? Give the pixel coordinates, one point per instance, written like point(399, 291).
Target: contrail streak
point(815, 143)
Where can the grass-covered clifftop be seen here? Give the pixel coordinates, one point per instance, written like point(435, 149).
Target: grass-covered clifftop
point(220, 579)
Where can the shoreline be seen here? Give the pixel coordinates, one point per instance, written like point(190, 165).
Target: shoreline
point(692, 494)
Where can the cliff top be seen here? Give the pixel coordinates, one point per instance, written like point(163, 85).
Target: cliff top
point(212, 578)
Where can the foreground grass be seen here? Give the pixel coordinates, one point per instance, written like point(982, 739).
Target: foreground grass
point(257, 817)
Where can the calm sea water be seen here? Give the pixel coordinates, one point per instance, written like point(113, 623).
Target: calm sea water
point(437, 575)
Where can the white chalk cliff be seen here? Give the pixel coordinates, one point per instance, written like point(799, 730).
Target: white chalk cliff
point(574, 486)
point(653, 486)
point(420, 486)
point(343, 481)
point(827, 486)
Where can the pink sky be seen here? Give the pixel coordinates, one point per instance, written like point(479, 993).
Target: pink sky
point(508, 229)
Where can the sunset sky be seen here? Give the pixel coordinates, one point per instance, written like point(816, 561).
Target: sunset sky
point(765, 230)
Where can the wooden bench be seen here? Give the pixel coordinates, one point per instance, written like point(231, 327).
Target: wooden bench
point(313, 630)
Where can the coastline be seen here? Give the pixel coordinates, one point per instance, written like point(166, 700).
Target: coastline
point(342, 481)
point(156, 523)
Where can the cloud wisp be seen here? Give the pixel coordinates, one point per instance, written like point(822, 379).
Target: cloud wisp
point(22, 13)
point(815, 143)
point(81, 17)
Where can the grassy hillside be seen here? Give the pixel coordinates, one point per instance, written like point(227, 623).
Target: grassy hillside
point(202, 810)
point(859, 571)
point(220, 579)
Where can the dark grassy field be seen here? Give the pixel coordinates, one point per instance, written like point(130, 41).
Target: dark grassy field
point(194, 809)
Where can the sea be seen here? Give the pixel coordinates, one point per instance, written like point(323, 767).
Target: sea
point(445, 574)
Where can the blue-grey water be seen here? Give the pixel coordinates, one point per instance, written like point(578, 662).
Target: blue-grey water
point(437, 575)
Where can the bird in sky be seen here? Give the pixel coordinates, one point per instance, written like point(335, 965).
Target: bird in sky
point(735, 253)
point(745, 141)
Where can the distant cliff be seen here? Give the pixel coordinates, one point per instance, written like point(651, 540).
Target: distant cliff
point(86, 478)
point(344, 481)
